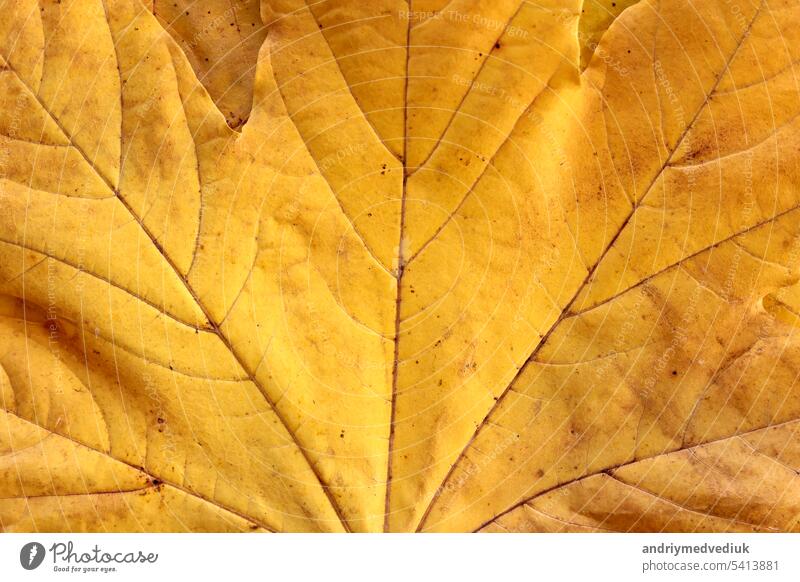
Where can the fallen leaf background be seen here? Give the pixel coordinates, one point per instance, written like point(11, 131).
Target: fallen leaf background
point(446, 266)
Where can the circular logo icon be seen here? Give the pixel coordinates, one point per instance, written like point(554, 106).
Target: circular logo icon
point(31, 555)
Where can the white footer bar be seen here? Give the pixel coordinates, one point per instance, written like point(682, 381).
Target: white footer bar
point(353, 558)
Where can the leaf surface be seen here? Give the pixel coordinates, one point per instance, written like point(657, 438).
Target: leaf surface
point(347, 266)
point(221, 40)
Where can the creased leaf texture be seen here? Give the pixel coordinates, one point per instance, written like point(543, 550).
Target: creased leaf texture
point(378, 266)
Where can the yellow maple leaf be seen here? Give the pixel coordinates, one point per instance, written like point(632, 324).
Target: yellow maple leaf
point(378, 266)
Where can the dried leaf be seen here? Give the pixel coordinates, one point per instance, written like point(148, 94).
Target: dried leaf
point(466, 266)
point(221, 40)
